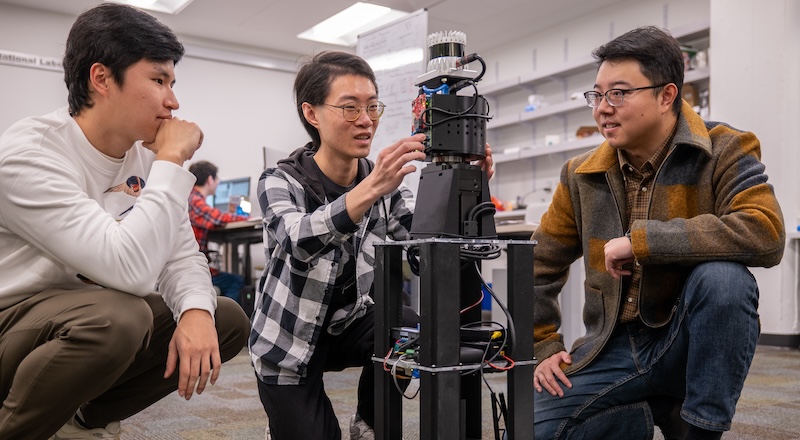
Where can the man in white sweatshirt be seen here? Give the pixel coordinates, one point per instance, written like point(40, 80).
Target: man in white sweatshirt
point(106, 304)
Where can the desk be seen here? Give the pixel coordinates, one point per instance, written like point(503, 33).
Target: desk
point(515, 231)
point(230, 237)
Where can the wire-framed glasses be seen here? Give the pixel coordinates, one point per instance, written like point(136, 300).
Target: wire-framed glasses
point(351, 112)
point(614, 97)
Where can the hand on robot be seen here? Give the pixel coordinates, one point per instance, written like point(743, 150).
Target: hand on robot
point(392, 164)
point(391, 167)
point(487, 164)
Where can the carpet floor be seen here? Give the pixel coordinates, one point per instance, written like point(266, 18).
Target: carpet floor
point(769, 408)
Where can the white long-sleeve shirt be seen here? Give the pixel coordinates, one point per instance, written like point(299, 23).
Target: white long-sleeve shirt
point(70, 215)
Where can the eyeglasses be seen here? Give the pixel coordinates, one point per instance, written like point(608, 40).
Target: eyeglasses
point(351, 112)
point(614, 97)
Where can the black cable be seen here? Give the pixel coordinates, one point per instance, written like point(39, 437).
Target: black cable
point(412, 256)
point(472, 215)
point(485, 362)
point(468, 253)
point(454, 115)
point(463, 61)
point(509, 319)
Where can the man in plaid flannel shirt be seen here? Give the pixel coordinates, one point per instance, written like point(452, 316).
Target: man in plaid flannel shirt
point(204, 218)
point(324, 208)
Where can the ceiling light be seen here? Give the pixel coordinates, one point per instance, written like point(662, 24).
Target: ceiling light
point(344, 28)
point(166, 6)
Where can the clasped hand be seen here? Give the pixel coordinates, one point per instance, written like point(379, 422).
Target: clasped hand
point(176, 140)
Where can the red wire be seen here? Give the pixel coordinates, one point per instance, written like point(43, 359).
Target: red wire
point(510, 365)
point(479, 301)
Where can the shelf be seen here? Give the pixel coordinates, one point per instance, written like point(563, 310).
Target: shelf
point(500, 86)
point(540, 113)
point(572, 105)
point(542, 150)
point(531, 79)
point(696, 75)
point(555, 109)
point(502, 121)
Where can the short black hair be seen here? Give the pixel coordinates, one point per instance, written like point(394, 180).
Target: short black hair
point(313, 81)
point(116, 36)
point(658, 53)
point(202, 171)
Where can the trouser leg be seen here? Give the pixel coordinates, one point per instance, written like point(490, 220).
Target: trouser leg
point(300, 411)
point(58, 349)
point(143, 383)
point(702, 357)
point(711, 343)
point(606, 396)
point(305, 411)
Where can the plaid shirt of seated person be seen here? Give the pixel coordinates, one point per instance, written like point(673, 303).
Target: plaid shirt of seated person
point(205, 217)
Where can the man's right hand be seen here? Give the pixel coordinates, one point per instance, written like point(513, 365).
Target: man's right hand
point(391, 166)
point(176, 140)
point(548, 373)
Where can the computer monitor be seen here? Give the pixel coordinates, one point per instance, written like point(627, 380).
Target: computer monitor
point(228, 188)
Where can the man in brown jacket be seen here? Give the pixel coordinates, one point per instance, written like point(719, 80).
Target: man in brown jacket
point(668, 213)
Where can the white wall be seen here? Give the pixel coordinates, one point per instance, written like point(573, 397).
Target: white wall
point(240, 108)
point(755, 67)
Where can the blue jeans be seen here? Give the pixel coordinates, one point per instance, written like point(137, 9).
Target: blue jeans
point(701, 357)
point(229, 284)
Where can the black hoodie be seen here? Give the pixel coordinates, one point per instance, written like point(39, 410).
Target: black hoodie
point(300, 165)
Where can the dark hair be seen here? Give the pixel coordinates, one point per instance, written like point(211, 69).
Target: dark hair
point(313, 81)
point(116, 36)
point(658, 53)
point(202, 171)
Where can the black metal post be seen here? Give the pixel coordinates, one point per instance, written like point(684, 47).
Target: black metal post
point(520, 305)
point(388, 312)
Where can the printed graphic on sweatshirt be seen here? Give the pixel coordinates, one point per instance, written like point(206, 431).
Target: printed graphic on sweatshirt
point(132, 186)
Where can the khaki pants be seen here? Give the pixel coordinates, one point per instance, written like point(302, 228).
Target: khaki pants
point(101, 350)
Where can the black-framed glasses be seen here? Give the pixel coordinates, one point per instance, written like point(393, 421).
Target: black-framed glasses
point(351, 112)
point(614, 97)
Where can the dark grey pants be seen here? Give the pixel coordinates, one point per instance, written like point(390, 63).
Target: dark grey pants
point(305, 411)
point(103, 351)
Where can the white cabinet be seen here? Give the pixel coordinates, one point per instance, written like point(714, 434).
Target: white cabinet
point(518, 134)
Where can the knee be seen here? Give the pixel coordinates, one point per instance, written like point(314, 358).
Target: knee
point(722, 283)
point(233, 327)
point(117, 326)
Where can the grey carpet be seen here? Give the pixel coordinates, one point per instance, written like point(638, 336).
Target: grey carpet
point(769, 408)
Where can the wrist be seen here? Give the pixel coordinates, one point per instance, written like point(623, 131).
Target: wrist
point(170, 156)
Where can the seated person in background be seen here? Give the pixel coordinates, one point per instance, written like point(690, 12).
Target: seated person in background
point(106, 305)
point(204, 217)
point(668, 213)
point(324, 207)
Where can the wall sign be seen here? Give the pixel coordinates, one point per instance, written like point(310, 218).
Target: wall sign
point(28, 60)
